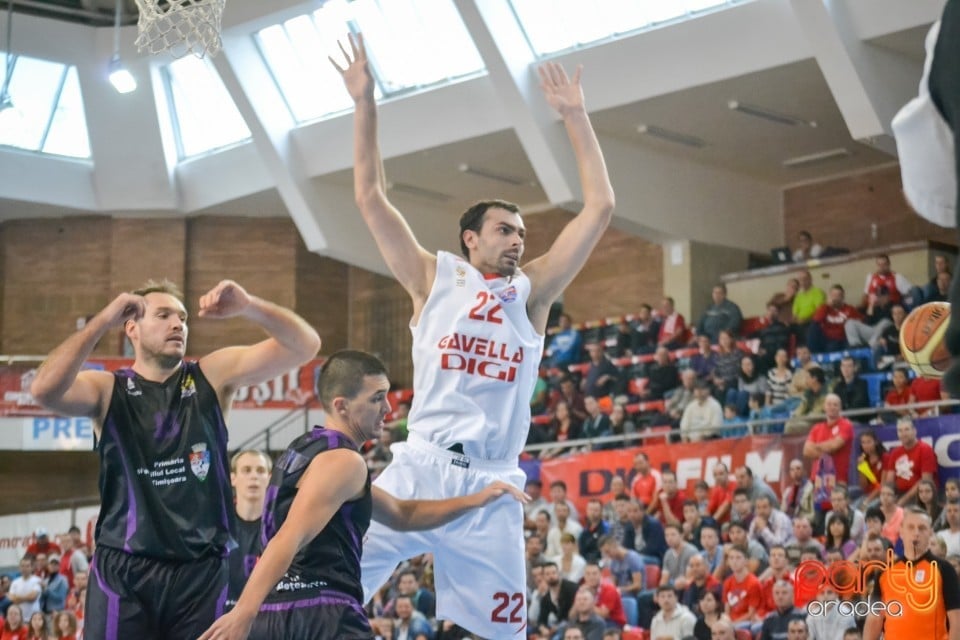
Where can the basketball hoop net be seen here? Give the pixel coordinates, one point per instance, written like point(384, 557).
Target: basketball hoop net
point(180, 26)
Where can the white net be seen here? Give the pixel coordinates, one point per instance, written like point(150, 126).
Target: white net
point(180, 26)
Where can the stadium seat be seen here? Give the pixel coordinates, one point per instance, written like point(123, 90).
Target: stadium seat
point(874, 384)
point(743, 634)
point(651, 574)
point(636, 386)
point(664, 429)
point(630, 610)
point(542, 419)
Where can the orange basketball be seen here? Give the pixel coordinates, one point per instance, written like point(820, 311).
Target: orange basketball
point(921, 339)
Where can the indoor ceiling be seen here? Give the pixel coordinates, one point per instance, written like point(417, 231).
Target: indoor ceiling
point(89, 12)
point(733, 141)
point(744, 143)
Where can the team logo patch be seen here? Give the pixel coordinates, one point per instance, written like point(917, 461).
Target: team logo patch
point(508, 295)
point(132, 388)
point(200, 460)
point(461, 274)
point(188, 387)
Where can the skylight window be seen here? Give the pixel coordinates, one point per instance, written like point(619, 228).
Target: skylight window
point(411, 44)
point(560, 25)
point(46, 111)
point(204, 116)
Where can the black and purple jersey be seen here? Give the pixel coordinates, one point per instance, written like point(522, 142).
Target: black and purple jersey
point(164, 474)
point(329, 564)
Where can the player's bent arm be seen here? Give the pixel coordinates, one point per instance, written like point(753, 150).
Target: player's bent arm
point(412, 515)
point(333, 478)
point(292, 342)
point(60, 385)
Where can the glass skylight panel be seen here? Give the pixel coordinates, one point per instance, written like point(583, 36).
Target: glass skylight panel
point(560, 25)
point(204, 115)
point(68, 128)
point(411, 44)
point(47, 111)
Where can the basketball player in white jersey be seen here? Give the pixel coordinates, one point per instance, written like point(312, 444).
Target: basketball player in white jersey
point(478, 326)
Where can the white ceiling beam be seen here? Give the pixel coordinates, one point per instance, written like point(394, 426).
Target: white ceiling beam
point(511, 67)
point(869, 84)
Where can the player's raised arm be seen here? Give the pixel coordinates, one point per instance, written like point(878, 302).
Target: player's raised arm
point(60, 385)
point(292, 341)
point(410, 263)
point(553, 271)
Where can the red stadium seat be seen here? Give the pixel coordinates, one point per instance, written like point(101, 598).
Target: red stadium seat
point(743, 634)
point(663, 429)
point(543, 419)
point(652, 575)
point(636, 386)
point(750, 326)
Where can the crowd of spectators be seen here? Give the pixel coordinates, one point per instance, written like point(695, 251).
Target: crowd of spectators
point(654, 560)
point(45, 599)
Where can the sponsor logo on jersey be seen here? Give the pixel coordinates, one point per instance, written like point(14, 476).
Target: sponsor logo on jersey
point(461, 461)
point(188, 388)
point(200, 460)
point(508, 295)
point(132, 388)
point(480, 356)
point(461, 274)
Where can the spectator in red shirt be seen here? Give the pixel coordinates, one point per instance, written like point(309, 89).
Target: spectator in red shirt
point(830, 442)
point(42, 543)
point(721, 494)
point(900, 393)
point(924, 390)
point(647, 482)
point(609, 605)
point(909, 463)
point(742, 595)
point(826, 332)
point(671, 500)
point(898, 287)
point(673, 328)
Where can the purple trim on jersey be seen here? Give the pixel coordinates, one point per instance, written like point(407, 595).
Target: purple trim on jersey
point(131, 496)
point(268, 526)
point(346, 510)
point(223, 479)
point(113, 605)
point(222, 599)
point(328, 598)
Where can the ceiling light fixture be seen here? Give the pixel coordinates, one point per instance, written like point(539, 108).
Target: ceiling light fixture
point(491, 175)
point(813, 158)
point(121, 79)
point(771, 116)
point(420, 192)
point(671, 136)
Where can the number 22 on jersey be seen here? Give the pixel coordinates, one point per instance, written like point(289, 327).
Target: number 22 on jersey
point(484, 313)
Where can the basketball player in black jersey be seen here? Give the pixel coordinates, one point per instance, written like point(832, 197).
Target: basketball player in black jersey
point(319, 505)
point(249, 474)
point(166, 513)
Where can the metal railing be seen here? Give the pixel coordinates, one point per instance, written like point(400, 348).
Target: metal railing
point(297, 415)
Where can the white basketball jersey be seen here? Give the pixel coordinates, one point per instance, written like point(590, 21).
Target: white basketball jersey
point(476, 357)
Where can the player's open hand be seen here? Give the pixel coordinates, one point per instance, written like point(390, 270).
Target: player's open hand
point(230, 626)
point(225, 300)
point(562, 93)
point(126, 306)
point(499, 488)
point(356, 72)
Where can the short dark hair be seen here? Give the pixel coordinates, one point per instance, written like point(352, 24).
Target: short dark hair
point(159, 286)
point(472, 219)
point(875, 513)
point(737, 524)
point(805, 234)
point(558, 483)
point(817, 374)
point(343, 373)
point(663, 588)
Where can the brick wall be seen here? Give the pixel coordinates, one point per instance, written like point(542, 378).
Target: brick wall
point(621, 273)
point(840, 212)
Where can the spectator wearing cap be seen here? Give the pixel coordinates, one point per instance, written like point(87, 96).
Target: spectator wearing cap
point(42, 543)
point(55, 588)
